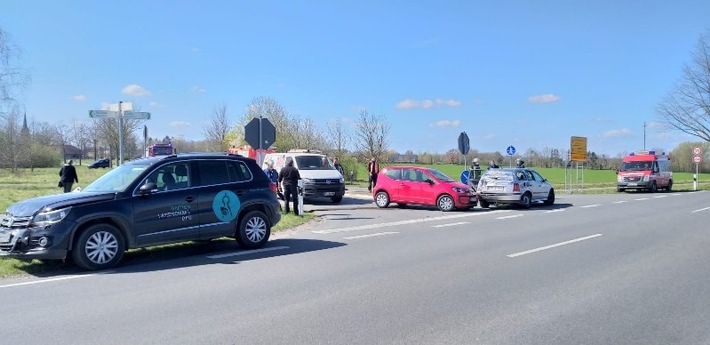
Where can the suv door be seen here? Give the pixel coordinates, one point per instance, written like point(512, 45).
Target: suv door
point(167, 214)
point(223, 186)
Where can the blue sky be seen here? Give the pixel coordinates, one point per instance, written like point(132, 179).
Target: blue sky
point(524, 73)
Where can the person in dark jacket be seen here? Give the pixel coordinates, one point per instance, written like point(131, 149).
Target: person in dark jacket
point(336, 164)
point(289, 177)
point(67, 176)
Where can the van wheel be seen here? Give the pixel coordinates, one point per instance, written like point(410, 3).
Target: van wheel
point(254, 230)
point(619, 189)
point(382, 199)
point(99, 247)
point(670, 186)
point(654, 187)
point(337, 199)
point(526, 200)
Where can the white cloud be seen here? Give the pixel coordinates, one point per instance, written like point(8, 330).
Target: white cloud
point(617, 133)
point(197, 89)
point(179, 124)
point(548, 98)
point(79, 98)
point(659, 125)
point(426, 104)
point(446, 124)
point(135, 90)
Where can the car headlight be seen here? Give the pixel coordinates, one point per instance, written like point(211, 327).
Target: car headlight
point(50, 217)
point(308, 181)
point(342, 180)
point(646, 178)
point(619, 179)
point(459, 190)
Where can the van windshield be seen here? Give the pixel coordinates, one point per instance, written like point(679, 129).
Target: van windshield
point(313, 163)
point(636, 166)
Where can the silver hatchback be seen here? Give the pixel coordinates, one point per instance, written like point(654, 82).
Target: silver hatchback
point(514, 186)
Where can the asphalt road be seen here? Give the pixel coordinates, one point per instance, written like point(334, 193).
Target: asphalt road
point(600, 269)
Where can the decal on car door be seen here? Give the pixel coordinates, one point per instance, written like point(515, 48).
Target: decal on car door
point(226, 205)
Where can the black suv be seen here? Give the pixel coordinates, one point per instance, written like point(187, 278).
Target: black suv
point(142, 203)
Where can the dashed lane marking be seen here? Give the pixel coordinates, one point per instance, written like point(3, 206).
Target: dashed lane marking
point(552, 246)
point(371, 235)
point(449, 224)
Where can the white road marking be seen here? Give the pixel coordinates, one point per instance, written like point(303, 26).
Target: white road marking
point(557, 210)
point(49, 280)
point(641, 199)
point(677, 194)
point(590, 206)
point(511, 216)
point(247, 252)
point(552, 246)
point(371, 235)
point(660, 196)
point(405, 222)
point(620, 201)
point(450, 224)
point(702, 209)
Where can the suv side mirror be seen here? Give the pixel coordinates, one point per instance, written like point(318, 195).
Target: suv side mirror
point(148, 188)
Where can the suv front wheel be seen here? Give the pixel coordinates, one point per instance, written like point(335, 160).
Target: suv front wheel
point(100, 246)
point(254, 230)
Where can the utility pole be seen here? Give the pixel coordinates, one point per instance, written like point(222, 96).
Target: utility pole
point(644, 135)
point(120, 133)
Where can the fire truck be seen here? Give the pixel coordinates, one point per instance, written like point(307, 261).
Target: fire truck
point(645, 170)
point(160, 149)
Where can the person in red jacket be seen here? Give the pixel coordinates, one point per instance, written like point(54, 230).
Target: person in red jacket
point(373, 168)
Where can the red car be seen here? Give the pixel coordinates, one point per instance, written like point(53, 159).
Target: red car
point(422, 186)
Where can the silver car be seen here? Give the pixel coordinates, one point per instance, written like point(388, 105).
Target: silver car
point(514, 186)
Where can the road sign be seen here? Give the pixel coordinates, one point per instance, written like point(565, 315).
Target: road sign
point(578, 149)
point(510, 150)
point(268, 133)
point(697, 159)
point(125, 106)
point(464, 144)
point(697, 151)
point(465, 175)
point(136, 115)
point(98, 114)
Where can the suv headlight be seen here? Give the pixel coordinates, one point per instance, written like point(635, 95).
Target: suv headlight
point(50, 217)
point(459, 190)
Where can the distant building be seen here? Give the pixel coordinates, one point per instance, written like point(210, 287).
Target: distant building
point(25, 131)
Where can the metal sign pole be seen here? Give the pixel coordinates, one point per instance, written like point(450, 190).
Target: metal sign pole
point(697, 177)
point(120, 133)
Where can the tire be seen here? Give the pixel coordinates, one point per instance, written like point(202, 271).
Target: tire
point(100, 246)
point(670, 186)
point(526, 200)
point(254, 230)
point(337, 199)
point(483, 203)
point(619, 189)
point(653, 188)
point(550, 197)
point(382, 199)
point(445, 203)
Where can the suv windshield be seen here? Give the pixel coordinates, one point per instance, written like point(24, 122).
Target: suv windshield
point(636, 166)
point(117, 179)
point(441, 176)
point(313, 163)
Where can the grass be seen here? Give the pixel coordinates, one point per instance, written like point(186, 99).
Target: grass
point(27, 184)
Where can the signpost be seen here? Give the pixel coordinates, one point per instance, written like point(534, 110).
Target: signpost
point(122, 111)
point(260, 134)
point(510, 151)
point(578, 149)
point(697, 159)
point(464, 146)
point(465, 175)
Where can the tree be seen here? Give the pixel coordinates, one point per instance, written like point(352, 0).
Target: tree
point(216, 131)
point(12, 78)
point(371, 132)
point(107, 130)
point(338, 137)
point(268, 108)
point(304, 134)
point(687, 107)
point(81, 136)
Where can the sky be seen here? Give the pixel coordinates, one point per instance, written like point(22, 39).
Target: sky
point(530, 74)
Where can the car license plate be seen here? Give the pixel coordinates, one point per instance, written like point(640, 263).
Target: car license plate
point(496, 187)
point(632, 183)
point(328, 193)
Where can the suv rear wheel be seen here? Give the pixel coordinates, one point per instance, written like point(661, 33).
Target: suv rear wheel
point(100, 246)
point(254, 230)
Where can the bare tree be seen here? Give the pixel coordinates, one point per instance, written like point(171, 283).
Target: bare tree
point(11, 148)
point(371, 132)
point(216, 132)
point(338, 137)
point(304, 134)
point(107, 129)
point(687, 108)
point(81, 136)
point(12, 77)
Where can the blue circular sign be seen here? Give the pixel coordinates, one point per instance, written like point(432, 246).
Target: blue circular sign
point(226, 205)
point(510, 150)
point(465, 175)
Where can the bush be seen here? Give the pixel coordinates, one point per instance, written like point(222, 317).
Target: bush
point(350, 167)
point(43, 157)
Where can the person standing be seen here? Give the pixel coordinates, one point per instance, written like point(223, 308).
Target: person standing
point(520, 163)
point(373, 169)
point(271, 173)
point(289, 177)
point(67, 176)
point(492, 165)
point(336, 164)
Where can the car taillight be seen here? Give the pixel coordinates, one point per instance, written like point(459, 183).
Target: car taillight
point(516, 187)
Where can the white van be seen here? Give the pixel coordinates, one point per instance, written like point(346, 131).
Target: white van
point(320, 178)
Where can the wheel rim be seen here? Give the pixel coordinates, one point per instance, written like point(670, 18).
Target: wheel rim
point(381, 199)
point(101, 247)
point(446, 203)
point(255, 229)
